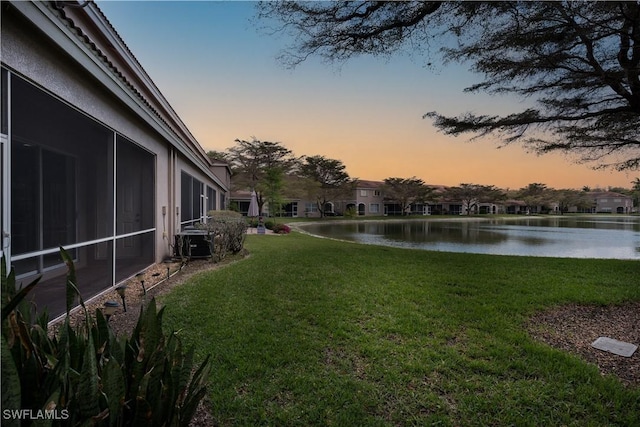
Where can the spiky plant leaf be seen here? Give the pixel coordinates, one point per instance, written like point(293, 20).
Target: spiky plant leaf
point(6, 287)
point(74, 347)
point(151, 328)
point(143, 415)
point(11, 390)
point(31, 374)
point(199, 378)
point(17, 299)
point(143, 411)
point(189, 409)
point(185, 373)
point(172, 377)
point(196, 391)
point(50, 404)
point(114, 387)
point(87, 394)
point(101, 332)
point(156, 374)
point(71, 289)
point(145, 339)
point(117, 348)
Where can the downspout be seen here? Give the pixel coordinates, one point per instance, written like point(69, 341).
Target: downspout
point(171, 189)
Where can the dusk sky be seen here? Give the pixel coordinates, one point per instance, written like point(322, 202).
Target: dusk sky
point(222, 77)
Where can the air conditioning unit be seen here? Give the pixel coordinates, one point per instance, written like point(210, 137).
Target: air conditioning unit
point(193, 243)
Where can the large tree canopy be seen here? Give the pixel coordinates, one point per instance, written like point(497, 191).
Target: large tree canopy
point(471, 195)
point(259, 166)
point(406, 191)
point(328, 180)
point(578, 62)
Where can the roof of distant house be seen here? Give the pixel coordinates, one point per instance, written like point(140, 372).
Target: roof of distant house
point(605, 194)
point(363, 183)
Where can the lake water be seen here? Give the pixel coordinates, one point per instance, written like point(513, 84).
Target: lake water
point(568, 237)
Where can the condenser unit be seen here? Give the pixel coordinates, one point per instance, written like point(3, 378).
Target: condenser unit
point(193, 243)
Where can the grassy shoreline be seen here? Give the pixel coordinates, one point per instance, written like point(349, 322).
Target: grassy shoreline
point(311, 331)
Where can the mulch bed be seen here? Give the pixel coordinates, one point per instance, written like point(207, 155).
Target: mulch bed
point(573, 328)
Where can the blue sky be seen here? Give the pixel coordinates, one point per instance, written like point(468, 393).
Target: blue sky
point(221, 76)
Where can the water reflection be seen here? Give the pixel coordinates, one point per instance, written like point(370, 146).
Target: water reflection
point(575, 237)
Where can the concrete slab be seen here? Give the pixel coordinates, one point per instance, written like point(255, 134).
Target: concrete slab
point(620, 348)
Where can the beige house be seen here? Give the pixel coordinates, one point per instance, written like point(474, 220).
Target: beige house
point(94, 158)
point(610, 202)
point(369, 200)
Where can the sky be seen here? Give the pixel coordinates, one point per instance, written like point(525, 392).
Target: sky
point(221, 75)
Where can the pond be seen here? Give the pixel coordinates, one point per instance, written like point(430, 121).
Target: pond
point(616, 237)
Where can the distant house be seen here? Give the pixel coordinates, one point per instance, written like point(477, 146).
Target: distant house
point(240, 201)
point(610, 202)
point(94, 158)
point(369, 198)
point(512, 206)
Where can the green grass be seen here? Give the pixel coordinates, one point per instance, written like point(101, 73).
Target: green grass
point(310, 331)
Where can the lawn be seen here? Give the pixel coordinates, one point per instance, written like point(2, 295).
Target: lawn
point(310, 331)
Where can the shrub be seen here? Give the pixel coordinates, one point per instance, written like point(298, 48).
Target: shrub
point(351, 212)
point(228, 230)
point(281, 229)
point(87, 374)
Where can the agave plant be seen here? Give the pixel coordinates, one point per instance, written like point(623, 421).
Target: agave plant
point(85, 374)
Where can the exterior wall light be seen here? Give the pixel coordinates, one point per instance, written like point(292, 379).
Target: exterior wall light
point(121, 291)
point(168, 262)
point(140, 276)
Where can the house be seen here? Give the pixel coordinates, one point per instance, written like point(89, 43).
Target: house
point(611, 202)
point(240, 201)
point(369, 198)
point(512, 206)
point(94, 158)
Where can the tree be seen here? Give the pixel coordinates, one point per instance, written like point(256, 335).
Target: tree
point(568, 198)
point(327, 180)
point(535, 195)
point(253, 161)
point(578, 62)
point(471, 195)
point(406, 191)
point(620, 190)
point(219, 155)
point(336, 31)
point(272, 188)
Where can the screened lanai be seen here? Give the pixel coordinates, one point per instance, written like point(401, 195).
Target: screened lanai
point(77, 184)
point(94, 158)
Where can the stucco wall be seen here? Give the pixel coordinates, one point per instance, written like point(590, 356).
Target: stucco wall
point(28, 52)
